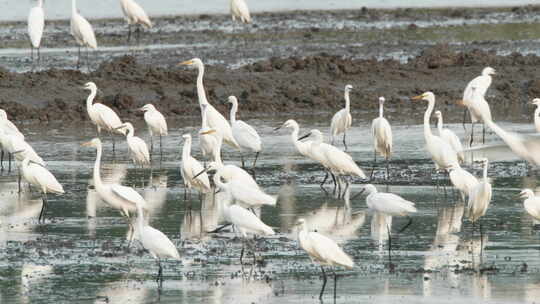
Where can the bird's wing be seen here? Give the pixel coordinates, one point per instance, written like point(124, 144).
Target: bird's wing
point(246, 136)
point(11, 129)
point(45, 178)
point(83, 31)
point(328, 251)
point(526, 144)
point(140, 147)
point(106, 116)
point(158, 243)
point(242, 9)
point(128, 194)
point(250, 195)
point(245, 219)
point(338, 121)
point(390, 203)
point(135, 10)
point(481, 85)
point(36, 22)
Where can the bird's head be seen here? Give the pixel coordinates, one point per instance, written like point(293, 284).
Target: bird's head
point(125, 128)
point(192, 62)
point(382, 99)
point(96, 142)
point(300, 222)
point(488, 71)
point(536, 102)
point(483, 160)
point(3, 114)
point(438, 114)
point(348, 88)
point(90, 86)
point(186, 136)
point(427, 96)
point(147, 107)
point(315, 134)
point(291, 123)
point(369, 188)
point(526, 193)
point(232, 99)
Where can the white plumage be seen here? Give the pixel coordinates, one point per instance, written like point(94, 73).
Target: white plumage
point(382, 133)
point(244, 134)
point(450, 137)
point(191, 167)
point(134, 13)
point(246, 195)
point(117, 196)
point(231, 172)
point(7, 126)
point(536, 102)
point(245, 221)
point(531, 203)
point(480, 196)
point(216, 121)
point(478, 108)
point(137, 147)
point(36, 23)
point(441, 152)
point(209, 139)
point(13, 143)
point(239, 9)
point(301, 147)
point(81, 29)
point(156, 123)
point(462, 180)
point(342, 120)
point(388, 203)
point(101, 115)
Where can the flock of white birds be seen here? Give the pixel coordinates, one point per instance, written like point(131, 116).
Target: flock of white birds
point(445, 149)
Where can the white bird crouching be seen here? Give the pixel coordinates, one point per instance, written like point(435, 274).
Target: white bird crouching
point(531, 203)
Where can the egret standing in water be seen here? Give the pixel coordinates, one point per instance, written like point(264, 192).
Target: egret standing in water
point(480, 195)
point(462, 180)
point(137, 147)
point(536, 102)
point(531, 203)
point(449, 137)
point(82, 31)
point(324, 251)
point(342, 120)
point(478, 108)
point(156, 242)
point(8, 130)
point(36, 175)
point(36, 23)
point(209, 139)
point(216, 121)
point(134, 15)
point(156, 125)
point(244, 134)
point(101, 115)
point(382, 137)
point(442, 153)
point(240, 11)
point(191, 168)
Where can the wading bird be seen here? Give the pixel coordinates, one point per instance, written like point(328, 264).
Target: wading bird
point(231, 172)
point(478, 108)
point(342, 120)
point(36, 175)
point(137, 147)
point(239, 9)
point(156, 242)
point(156, 125)
point(191, 168)
point(441, 152)
point(134, 14)
point(324, 251)
point(12, 144)
point(36, 22)
point(531, 203)
point(449, 137)
point(216, 121)
point(244, 134)
point(536, 102)
point(382, 137)
point(8, 130)
point(209, 139)
point(480, 195)
point(117, 196)
point(101, 115)
point(82, 31)
point(462, 180)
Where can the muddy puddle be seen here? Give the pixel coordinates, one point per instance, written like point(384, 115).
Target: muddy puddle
point(80, 253)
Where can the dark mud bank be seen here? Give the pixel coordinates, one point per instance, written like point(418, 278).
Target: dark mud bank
point(275, 86)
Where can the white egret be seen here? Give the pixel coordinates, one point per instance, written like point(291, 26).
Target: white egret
point(191, 168)
point(156, 124)
point(249, 196)
point(231, 172)
point(36, 175)
point(156, 242)
point(382, 136)
point(117, 196)
point(322, 250)
point(441, 152)
point(480, 195)
point(209, 139)
point(449, 137)
point(244, 134)
point(342, 120)
point(239, 9)
point(462, 180)
point(82, 31)
point(137, 147)
point(134, 14)
point(216, 121)
point(531, 203)
point(7, 130)
point(7, 126)
point(101, 115)
point(536, 102)
point(478, 108)
point(36, 23)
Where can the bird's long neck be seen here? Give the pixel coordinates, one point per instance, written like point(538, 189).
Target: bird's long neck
point(294, 136)
point(90, 98)
point(234, 109)
point(537, 115)
point(440, 124)
point(427, 115)
point(25, 163)
point(204, 121)
point(40, 3)
point(485, 170)
point(217, 155)
point(186, 150)
point(217, 180)
point(347, 101)
point(130, 133)
point(97, 176)
point(381, 109)
point(140, 219)
point(200, 87)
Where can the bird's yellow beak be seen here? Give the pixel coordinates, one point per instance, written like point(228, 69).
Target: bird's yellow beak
point(419, 97)
point(187, 62)
point(86, 144)
point(208, 132)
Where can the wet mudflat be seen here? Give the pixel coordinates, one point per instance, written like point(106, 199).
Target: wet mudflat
point(80, 253)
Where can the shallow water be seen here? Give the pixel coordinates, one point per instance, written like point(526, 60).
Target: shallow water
point(80, 254)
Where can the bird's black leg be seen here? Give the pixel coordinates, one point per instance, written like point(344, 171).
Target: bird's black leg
point(152, 145)
point(344, 143)
point(242, 254)
point(255, 161)
point(335, 284)
point(464, 118)
point(129, 33)
point(43, 207)
point(159, 278)
point(387, 168)
point(79, 58)
point(374, 163)
point(242, 158)
point(324, 180)
point(38, 57)
point(160, 148)
point(324, 283)
point(9, 162)
point(19, 178)
point(472, 135)
point(2, 159)
point(406, 225)
point(483, 133)
point(390, 265)
point(138, 32)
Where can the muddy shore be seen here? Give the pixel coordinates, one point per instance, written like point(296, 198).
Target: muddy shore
point(277, 85)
